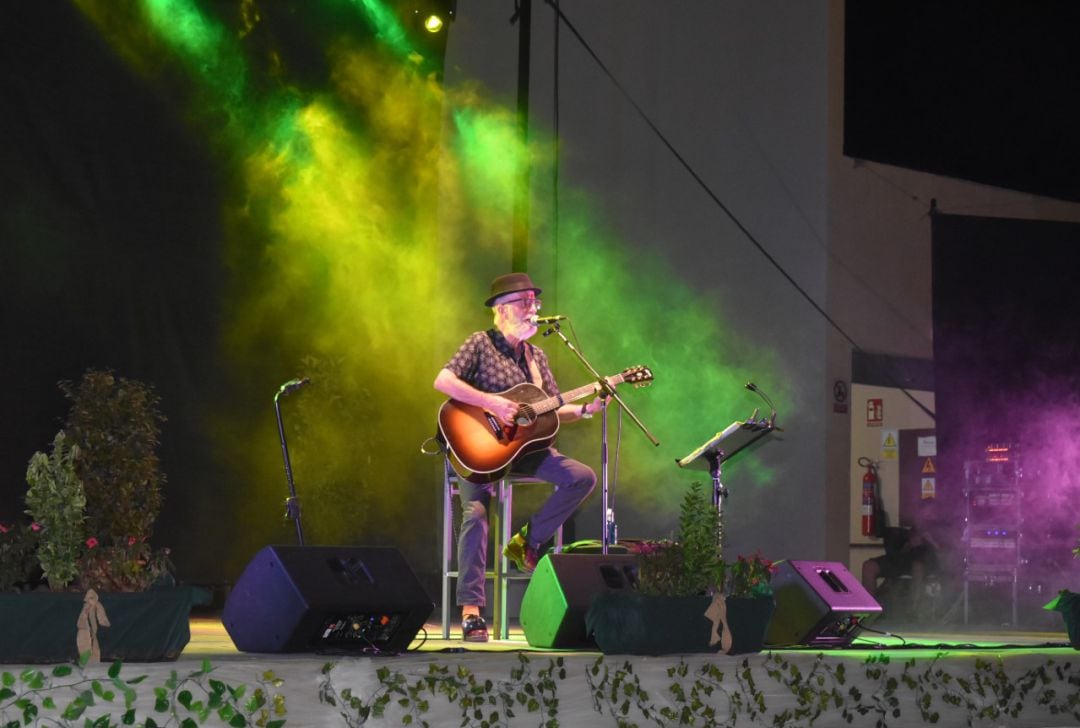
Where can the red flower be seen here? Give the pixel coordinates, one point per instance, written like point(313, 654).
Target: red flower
point(132, 540)
point(35, 526)
point(91, 542)
point(3, 528)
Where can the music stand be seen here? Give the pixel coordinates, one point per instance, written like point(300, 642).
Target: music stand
point(721, 447)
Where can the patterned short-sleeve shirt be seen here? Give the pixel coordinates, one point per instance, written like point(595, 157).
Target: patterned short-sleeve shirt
point(488, 362)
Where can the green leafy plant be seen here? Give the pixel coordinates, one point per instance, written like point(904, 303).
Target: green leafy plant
point(131, 567)
point(55, 499)
point(69, 695)
point(690, 565)
point(96, 497)
point(750, 577)
point(116, 425)
point(18, 555)
point(693, 564)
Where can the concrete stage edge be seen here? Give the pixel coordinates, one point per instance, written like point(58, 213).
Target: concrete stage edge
point(1016, 653)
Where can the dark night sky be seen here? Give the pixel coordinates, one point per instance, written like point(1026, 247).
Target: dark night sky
point(984, 91)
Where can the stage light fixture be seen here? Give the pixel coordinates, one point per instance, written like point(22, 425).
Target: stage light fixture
point(433, 23)
point(433, 15)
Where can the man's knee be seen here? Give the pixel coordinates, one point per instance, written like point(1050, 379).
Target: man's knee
point(474, 513)
point(586, 480)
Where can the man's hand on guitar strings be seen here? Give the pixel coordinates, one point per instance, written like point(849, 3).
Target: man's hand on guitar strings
point(504, 409)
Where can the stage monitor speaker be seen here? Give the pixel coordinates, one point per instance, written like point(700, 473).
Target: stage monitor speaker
point(818, 603)
point(558, 596)
point(326, 598)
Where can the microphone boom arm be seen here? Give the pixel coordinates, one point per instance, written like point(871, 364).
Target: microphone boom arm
point(605, 387)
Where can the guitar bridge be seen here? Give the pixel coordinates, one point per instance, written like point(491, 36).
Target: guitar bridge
point(496, 428)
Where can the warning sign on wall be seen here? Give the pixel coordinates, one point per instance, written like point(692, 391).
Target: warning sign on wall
point(875, 412)
point(928, 466)
point(890, 444)
point(929, 489)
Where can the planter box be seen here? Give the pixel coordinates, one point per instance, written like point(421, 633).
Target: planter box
point(150, 626)
point(638, 624)
point(1068, 603)
point(747, 621)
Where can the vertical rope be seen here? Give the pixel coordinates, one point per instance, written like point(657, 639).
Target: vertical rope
point(555, 170)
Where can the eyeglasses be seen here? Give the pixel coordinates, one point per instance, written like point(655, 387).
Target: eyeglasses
point(526, 302)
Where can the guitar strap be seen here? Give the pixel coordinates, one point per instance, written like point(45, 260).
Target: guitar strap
point(530, 369)
point(534, 369)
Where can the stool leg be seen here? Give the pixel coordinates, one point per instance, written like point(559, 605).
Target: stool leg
point(504, 563)
point(447, 548)
point(502, 514)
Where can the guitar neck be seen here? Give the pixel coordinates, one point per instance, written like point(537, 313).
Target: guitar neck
point(553, 403)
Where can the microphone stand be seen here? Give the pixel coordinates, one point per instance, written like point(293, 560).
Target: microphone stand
point(292, 503)
point(606, 390)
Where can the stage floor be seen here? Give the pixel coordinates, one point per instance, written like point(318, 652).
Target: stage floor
point(210, 640)
point(883, 671)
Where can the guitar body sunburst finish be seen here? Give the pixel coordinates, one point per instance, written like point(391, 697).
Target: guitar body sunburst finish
point(481, 449)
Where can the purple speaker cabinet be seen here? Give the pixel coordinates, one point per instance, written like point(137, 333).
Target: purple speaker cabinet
point(326, 598)
point(818, 604)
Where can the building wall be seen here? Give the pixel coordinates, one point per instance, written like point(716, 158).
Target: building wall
point(750, 94)
point(878, 269)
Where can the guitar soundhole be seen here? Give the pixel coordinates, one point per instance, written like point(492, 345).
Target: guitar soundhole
point(526, 415)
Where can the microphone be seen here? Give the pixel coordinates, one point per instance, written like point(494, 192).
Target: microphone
point(545, 320)
point(292, 385)
point(756, 390)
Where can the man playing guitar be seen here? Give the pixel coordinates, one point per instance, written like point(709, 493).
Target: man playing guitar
point(487, 363)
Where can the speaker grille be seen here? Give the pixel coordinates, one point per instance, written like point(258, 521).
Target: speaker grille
point(818, 603)
point(560, 591)
point(309, 598)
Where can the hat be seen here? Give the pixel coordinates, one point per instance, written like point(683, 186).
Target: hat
point(510, 283)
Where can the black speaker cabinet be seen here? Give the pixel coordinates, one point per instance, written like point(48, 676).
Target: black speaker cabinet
point(558, 596)
point(818, 603)
point(311, 598)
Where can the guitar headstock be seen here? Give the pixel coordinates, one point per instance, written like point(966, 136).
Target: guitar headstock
point(639, 376)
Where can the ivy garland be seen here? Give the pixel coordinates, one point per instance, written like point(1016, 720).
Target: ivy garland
point(707, 696)
point(483, 703)
point(68, 695)
point(704, 695)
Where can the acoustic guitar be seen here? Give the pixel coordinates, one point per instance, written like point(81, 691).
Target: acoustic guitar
point(481, 449)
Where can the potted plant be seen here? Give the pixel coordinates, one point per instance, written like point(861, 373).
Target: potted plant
point(19, 567)
point(115, 425)
point(1068, 603)
point(687, 599)
point(93, 500)
point(747, 605)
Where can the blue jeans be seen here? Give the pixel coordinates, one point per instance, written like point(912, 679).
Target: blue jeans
point(573, 482)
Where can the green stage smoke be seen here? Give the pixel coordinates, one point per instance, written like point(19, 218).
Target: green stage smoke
point(360, 230)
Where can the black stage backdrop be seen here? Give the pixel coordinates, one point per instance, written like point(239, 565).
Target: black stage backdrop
point(109, 234)
point(1007, 369)
point(111, 237)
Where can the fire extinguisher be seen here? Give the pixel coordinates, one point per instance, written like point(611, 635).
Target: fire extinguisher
point(869, 497)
